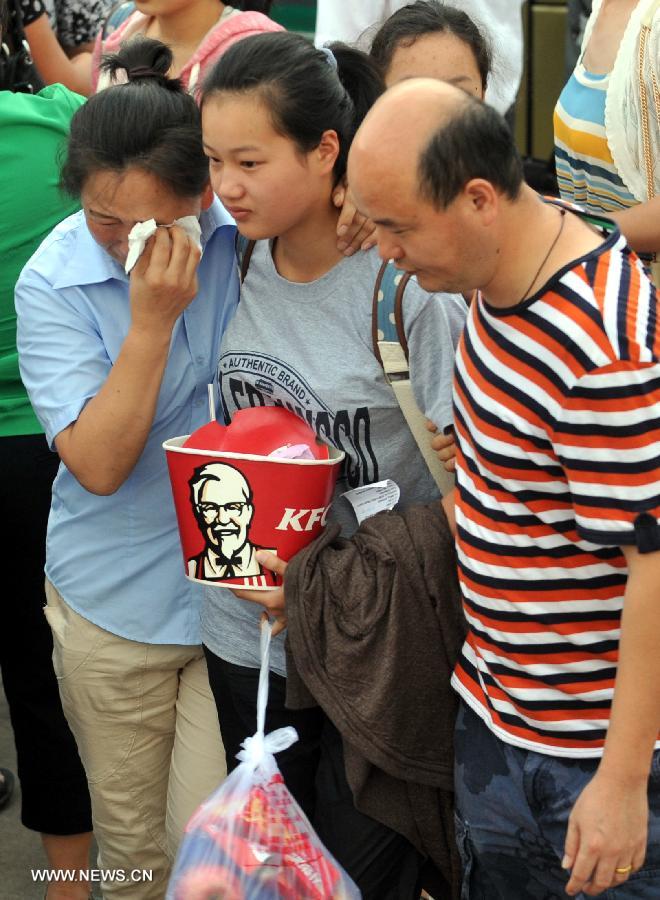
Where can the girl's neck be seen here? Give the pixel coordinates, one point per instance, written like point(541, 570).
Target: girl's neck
point(308, 250)
point(185, 29)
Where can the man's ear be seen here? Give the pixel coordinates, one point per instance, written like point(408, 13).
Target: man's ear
point(482, 199)
point(207, 197)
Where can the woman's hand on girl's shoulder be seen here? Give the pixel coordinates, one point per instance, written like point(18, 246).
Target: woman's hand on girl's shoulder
point(354, 231)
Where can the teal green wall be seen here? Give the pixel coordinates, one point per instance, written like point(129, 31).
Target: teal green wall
point(296, 15)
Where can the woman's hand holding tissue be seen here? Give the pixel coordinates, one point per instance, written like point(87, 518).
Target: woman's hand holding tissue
point(273, 601)
point(164, 281)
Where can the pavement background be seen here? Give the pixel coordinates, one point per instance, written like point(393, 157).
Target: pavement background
point(20, 849)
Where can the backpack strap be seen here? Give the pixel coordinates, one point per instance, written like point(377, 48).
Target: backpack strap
point(387, 308)
point(390, 346)
point(244, 250)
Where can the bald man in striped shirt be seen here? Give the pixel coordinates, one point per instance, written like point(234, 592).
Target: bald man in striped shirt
point(557, 425)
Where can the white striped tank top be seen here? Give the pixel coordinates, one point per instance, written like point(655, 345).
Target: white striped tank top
point(586, 173)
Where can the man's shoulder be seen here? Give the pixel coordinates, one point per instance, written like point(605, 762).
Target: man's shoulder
point(599, 273)
point(606, 298)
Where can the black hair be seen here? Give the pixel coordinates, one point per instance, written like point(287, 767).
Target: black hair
point(262, 6)
point(424, 17)
point(307, 91)
point(150, 123)
point(475, 142)
point(4, 16)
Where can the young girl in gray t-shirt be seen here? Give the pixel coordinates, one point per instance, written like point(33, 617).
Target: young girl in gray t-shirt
point(278, 118)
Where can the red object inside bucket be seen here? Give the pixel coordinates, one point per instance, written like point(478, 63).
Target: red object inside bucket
point(259, 432)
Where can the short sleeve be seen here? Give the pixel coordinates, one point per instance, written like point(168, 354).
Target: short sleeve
point(62, 357)
point(433, 324)
point(607, 439)
point(31, 10)
point(79, 21)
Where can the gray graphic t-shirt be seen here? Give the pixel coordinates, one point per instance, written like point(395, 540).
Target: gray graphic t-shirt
point(308, 347)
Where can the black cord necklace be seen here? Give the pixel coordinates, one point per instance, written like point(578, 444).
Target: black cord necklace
point(562, 213)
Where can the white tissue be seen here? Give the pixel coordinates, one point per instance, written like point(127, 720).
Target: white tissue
point(142, 231)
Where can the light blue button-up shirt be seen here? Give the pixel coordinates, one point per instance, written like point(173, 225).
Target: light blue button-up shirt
point(117, 560)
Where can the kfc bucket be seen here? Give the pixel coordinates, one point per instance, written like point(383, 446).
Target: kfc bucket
point(233, 498)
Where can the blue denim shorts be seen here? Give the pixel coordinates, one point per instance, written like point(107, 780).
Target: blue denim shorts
point(512, 809)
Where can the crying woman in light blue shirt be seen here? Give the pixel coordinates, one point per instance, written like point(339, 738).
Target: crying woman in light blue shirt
point(114, 365)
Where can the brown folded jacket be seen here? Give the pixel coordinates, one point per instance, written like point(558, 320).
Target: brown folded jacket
point(375, 625)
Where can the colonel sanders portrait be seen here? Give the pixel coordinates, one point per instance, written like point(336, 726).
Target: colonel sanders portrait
point(221, 500)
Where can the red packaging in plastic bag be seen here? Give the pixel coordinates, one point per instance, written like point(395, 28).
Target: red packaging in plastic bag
point(250, 840)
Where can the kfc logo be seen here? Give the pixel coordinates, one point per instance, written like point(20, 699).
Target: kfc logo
point(222, 504)
point(302, 519)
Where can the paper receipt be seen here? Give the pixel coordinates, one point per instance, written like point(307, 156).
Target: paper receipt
point(373, 498)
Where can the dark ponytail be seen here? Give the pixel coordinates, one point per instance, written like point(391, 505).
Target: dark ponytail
point(142, 58)
point(307, 91)
point(150, 123)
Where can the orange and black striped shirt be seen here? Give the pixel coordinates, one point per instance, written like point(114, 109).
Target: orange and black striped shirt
point(557, 413)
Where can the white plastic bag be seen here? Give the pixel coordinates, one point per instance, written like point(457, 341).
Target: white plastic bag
point(250, 840)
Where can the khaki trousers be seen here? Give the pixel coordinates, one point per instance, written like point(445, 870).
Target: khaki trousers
point(147, 731)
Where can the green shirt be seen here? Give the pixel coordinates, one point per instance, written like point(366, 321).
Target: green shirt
point(33, 128)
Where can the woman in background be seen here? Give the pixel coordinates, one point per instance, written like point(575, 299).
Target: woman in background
point(428, 39)
point(197, 31)
point(607, 121)
point(501, 21)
